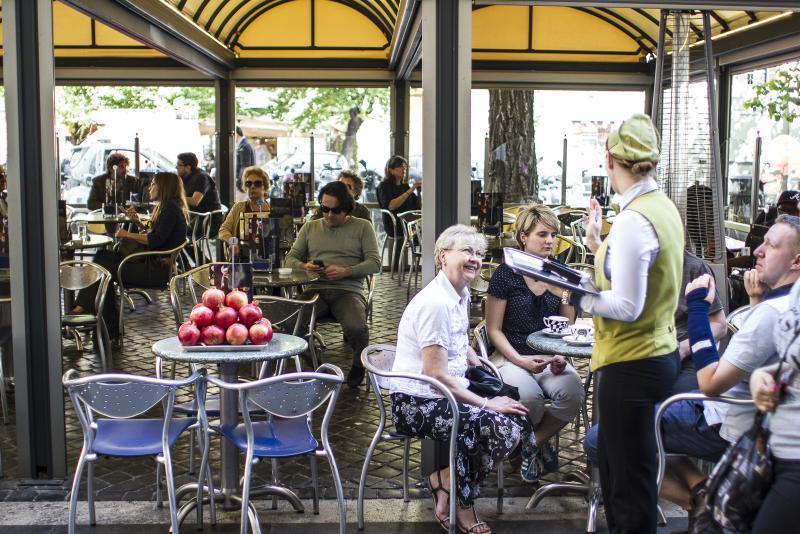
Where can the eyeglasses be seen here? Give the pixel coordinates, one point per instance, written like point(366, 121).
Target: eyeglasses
point(336, 211)
point(248, 183)
point(469, 252)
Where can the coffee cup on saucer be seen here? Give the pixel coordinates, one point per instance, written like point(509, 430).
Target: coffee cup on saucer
point(557, 324)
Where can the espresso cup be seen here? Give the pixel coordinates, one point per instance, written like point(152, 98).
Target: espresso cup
point(557, 324)
point(580, 331)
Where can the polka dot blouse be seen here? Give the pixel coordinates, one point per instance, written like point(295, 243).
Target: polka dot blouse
point(524, 310)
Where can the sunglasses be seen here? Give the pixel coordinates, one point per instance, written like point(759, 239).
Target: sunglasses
point(248, 183)
point(336, 211)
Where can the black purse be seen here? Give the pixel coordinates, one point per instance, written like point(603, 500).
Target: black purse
point(483, 382)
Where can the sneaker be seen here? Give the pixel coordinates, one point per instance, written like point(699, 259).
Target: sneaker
point(531, 468)
point(549, 457)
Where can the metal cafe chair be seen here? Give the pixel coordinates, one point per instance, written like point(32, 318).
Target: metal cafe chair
point(118, 399)
point(75, 275)
point(736, 317)
point(407, 247)
point(288, 400)
point(169, 255)
point(392, 240)
point(662, 454)
point(378, 361)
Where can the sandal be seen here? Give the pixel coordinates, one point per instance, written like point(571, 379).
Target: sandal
point(478, 524)
point(443, 521)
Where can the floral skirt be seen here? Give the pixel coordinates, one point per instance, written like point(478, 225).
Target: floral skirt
point(484, 437)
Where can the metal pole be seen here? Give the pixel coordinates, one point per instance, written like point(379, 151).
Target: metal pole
point(564, 174)
point(312, 179)
point(719, 232)
point(756, 180)
point(136, 154)
point(659, 74)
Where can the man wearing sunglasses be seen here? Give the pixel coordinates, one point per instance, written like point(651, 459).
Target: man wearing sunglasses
point(343, 250)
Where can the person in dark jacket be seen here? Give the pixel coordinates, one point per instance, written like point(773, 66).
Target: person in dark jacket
point(167, 230)
point(245, 156)
point(397, 195)
point(102, 190)
point(201, 191)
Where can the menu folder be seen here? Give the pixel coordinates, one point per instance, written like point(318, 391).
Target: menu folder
point(549, 271)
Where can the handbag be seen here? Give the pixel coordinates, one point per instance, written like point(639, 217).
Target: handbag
point(484, 382)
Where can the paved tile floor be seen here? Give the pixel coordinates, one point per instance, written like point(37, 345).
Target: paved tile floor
point(352, 427)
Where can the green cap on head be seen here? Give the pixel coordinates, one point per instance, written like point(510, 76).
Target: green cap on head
point(635, 140)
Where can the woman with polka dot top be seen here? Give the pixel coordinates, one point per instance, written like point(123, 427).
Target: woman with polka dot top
point(517, 306)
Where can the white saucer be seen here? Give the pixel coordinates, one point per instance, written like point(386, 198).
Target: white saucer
point(548, 333)
point(572, 340)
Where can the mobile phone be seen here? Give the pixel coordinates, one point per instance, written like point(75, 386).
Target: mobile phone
point(318, 263)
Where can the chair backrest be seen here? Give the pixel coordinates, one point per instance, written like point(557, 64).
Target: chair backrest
point(80, 274)
point(566, 250)
point(286, 314)
point(736, 317)
point(481, 337)
point(414, 234)
point(121, 396)
point(380, 358)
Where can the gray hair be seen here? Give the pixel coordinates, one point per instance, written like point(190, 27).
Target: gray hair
point(793, 222)
point(452, 235)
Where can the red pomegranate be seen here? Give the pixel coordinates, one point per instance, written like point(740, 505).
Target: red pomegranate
point(250, 313)
point(225, 317)
point(236, 334)
point(202, 316)
point(212, 335)
point(212, 298)
point(261, 332)
point(236, 299)
point(188, 334)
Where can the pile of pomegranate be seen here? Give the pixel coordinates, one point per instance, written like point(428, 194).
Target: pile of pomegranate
point(222, 318)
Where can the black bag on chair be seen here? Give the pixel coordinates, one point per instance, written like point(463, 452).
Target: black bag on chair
point(740, 480)
point(483, 382)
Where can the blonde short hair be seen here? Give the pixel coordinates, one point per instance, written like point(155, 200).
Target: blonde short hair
point(534, 214)
point(258, 171)
point(451, 236)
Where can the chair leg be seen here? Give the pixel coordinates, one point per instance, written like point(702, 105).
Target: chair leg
point(192, 434)
point(173, 505)
point(73, 500)
point(337, 481)
point(3, 394)
point(500, 485)
point(159, 499)
point(90, 493)
point(315, 483)
point(248, 471)
point(362, 481)
point(275, 481)
point(406, 453)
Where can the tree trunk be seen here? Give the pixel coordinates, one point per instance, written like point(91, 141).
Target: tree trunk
point(512, 150)
point(349, 145)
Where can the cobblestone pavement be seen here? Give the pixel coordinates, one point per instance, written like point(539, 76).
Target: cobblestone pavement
point(352, 427)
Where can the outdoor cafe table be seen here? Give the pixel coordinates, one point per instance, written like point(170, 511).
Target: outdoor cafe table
point(272, 279)
point(588, 486)
point(227, 362)
point(90, 241)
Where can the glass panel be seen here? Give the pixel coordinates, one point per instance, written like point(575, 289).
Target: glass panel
point(780, 149)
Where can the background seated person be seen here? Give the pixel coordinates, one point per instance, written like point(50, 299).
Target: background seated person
point(167, 230)
point(201, 190)
point(343, 251)
point(256, 185)
point(693, 268)
point(396, 194)
point(786, 205)
point(705, 430)
point(515, 307)
point(102, 190)
point(433, 339)
point(355, 185)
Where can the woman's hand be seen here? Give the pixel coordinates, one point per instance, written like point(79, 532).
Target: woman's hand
point(754, 286)
point(132, 215)
point(534, 364)
point(506, 405)
point(558, 364)
point(703, 281)
point(121, 233)
point(593, 221)
point(763, 390)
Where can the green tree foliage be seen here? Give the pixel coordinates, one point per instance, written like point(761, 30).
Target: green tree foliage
point(307, 107)
point(778, 97)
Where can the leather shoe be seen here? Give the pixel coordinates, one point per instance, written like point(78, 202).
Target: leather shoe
point(355, 376)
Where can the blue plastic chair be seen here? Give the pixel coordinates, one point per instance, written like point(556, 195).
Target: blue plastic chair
point(288, 400)
point(119, 398)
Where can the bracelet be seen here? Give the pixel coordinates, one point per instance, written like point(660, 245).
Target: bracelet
point(565, 296)
point(485, 400)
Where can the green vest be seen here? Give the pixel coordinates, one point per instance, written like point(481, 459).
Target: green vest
point(653, 333)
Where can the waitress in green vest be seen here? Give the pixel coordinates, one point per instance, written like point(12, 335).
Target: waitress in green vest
point(638, 271)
